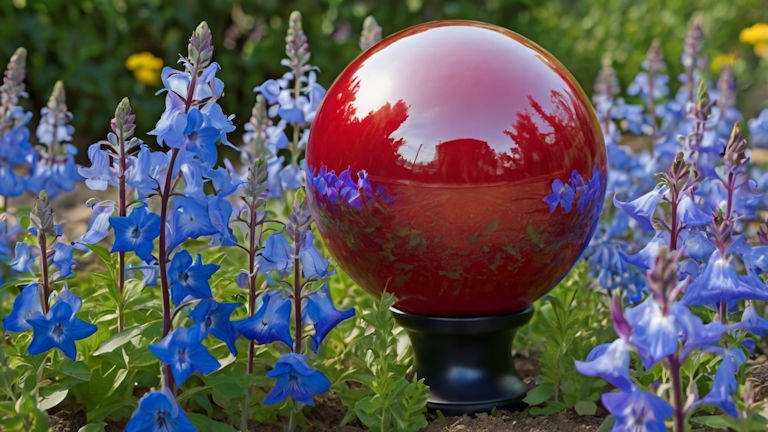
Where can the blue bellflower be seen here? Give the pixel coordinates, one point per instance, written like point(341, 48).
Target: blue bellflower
point(725, 383)
point(23, 258)
point(296, 380)
point(59, 328)
point(641, 209)
point(321, 312)
point(98, 225)
point(609, 362)
point(277, 254)
point(136, 232)
point(312, 263)
point(270, 323)
point(62, 258)
point(158, 411)
point(100, 174)
point(213, 318)
point(720, 283)
point(183, 351)
point(637, 411)
point(189, 279)
point(26, 305)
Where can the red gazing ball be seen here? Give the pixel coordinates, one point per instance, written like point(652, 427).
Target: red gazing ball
point(457, 165)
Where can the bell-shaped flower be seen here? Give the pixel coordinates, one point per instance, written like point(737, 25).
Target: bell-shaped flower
point(720, 283)
point(59, 328)
point(136, 232)
point(23, 258)
point(169, 129)
point(6, 233)
point(26, 305)
point(270, 89)
point(689, 214)
point(215, 118)
point(183, 351)
point(290, 109)
point(98, 225)
point(320, 311)
point(100, 174)
point(656, 335)
point(213, 318)
point(725, 383)
point(270, 323)
point(145, 170)
point(646, 256)
point(751, 322)
point(158, 411)
point(641, 209)
point(219, 213)
point(295, 380)
point(188, 279)
point(276, 255)
point(200, 139)
point(62, 258)
point(190, 219)
point(609, 362)
point(312, 263)
point(637, 411)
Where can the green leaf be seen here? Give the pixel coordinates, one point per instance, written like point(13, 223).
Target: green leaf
point(52, 399)
point(204, 423)
point(119, 339)
point(539, 394)
point(93, 427)
point(607, 424)
point(77, 370)
point(585, 408)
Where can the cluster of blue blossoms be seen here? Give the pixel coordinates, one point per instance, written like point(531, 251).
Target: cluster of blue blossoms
point(49, 166)
point(170, 196)
point(292, 102)
point(681, 240)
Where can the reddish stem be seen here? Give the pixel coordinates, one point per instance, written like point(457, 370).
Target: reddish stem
point(42, 241)
point(165, 195)
point(677, 393)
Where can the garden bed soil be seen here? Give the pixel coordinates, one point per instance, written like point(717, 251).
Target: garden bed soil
point(327, 416)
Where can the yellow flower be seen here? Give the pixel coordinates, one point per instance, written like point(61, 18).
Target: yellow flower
point(721, 60)
point(755, 35)
point(145, 67)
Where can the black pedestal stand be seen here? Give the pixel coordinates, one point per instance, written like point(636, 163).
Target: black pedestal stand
point(467, 362)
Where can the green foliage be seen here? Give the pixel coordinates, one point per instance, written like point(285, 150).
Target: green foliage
point(569, 322)
point(388, 400)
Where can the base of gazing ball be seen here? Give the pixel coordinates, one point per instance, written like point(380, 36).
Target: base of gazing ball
point(466, 362)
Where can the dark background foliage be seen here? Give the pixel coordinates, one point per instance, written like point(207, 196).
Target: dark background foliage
point(85, 42)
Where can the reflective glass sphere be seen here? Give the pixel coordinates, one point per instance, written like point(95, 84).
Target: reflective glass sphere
point(457, 165)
